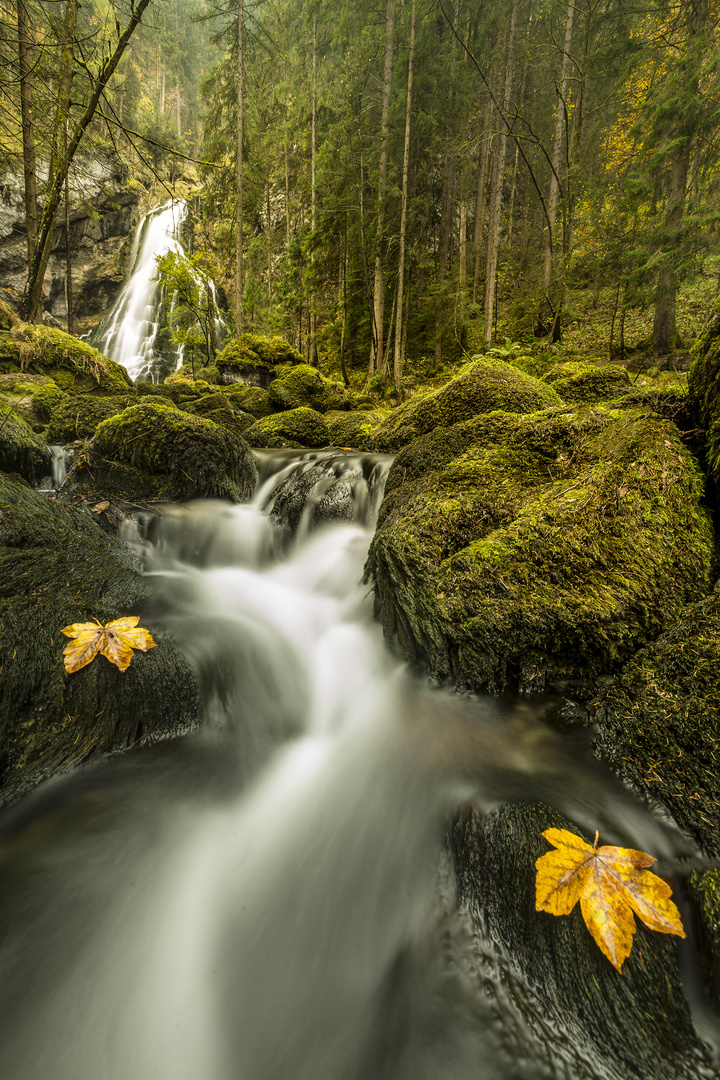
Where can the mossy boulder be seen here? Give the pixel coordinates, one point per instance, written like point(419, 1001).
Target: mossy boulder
point(58, 567)
point(705, 891)
point(305, 385)
point(668, 402)
point(483, 386)
point(588, 383)
point(659, 726)
point(73, 364)
point(252, 359)
point(250, 399)
point(704, 388)
point(577, 1016)
point(31, 396)
point(511, 549)
point(220, 409)
point(159, 452)
point(21, 450)
point(77, 415)
point(299, 428)
point(353, 429)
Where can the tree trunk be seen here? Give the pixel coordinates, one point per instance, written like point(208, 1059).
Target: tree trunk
point(479, 227)
point(68, 257)
point(399, 358)
point(377, 350)
point(313, 353)
point(239, 284)
point(560, 125)
point(493, 247)
point(664, 335)
point(54, 191)
point(28, 134)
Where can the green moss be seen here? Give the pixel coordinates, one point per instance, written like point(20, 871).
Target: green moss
point(57, 566)
point(351, 429)
point(220, 409)
point(270, 350)
point(21, 450)
point(704, 388)
point(251, 399)
point(667, 402)
point(76, 416)
point(588, 383)
point(483, 386)
point(32, 397)
point(72, 363)
point(660, 725)
point(514, 548)
point(305, 385)
point(178, 455)
point(297, 428)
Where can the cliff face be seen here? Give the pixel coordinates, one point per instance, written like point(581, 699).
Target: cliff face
point(103, 216)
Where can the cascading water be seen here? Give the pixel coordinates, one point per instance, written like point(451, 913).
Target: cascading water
point(130, 332)
point(268, 900)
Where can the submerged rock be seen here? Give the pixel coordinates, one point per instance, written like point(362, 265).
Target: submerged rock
point(482, 387)
point(511, 548)
point(298, 428)
point(58, 567)
point(161, 453)
point(582, 1018)
point(659, 725)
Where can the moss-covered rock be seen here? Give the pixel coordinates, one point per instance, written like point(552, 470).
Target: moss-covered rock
point(253, 359)
point(77, 415)
point(221, 410)
point(578, 1017)
point(705, 891)
point(659, 726)
point(174, 456)
point(21, 450)
point(73, 364)
point(351, 429)
point(668, 402)
point(31, 396)
point(58, 567)
point(250, 399)
point(588, 383)
point(482, 387)
point(704, 388)
point(298, 428)
point(305, 385)
point(510, 548)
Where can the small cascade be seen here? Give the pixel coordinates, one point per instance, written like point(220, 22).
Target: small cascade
point(134, 333)
point(59, 458)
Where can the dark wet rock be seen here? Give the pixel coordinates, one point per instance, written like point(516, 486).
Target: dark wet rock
point(71, 363)
point(515, 550)
point(581, 1018)
point(58, 567)
point(305, 385)
point(705, 892)
point(298, 428)
point(21, 450)
point(158, 452)
point(659, 725)
point(482, 387)
point(588, 383)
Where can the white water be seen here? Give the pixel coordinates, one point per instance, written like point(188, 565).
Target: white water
point(129, 333)
point(266, 901)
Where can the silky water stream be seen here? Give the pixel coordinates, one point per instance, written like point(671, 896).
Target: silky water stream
point(271, 898)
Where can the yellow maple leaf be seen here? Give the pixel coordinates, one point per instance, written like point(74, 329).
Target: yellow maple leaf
point(611, 884)
point(115, 641)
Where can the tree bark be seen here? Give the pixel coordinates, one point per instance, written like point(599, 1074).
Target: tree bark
point(399, 359)
point(479, 227)
point(664, 335)
point(560, 126)
point(28, 133)
point(493, 247)
point(239, 283)
point(313, 352)
point(377, 349)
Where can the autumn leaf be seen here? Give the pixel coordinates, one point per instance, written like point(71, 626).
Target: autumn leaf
point(611, 884)
point(115, 641)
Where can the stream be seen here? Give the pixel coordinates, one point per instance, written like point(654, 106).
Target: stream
point(271, 898)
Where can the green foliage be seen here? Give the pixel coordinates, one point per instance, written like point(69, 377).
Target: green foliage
point(188, 283)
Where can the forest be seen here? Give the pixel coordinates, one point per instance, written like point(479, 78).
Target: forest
point(414, 183)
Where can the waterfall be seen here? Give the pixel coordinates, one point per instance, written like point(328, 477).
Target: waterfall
point(270, 899)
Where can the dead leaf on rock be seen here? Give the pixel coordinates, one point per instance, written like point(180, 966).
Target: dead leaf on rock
point(99, 507)
point(115, 641)
point(611, 884)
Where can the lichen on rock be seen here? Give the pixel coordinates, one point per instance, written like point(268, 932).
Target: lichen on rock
point(482, 387)
point(511, 549)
